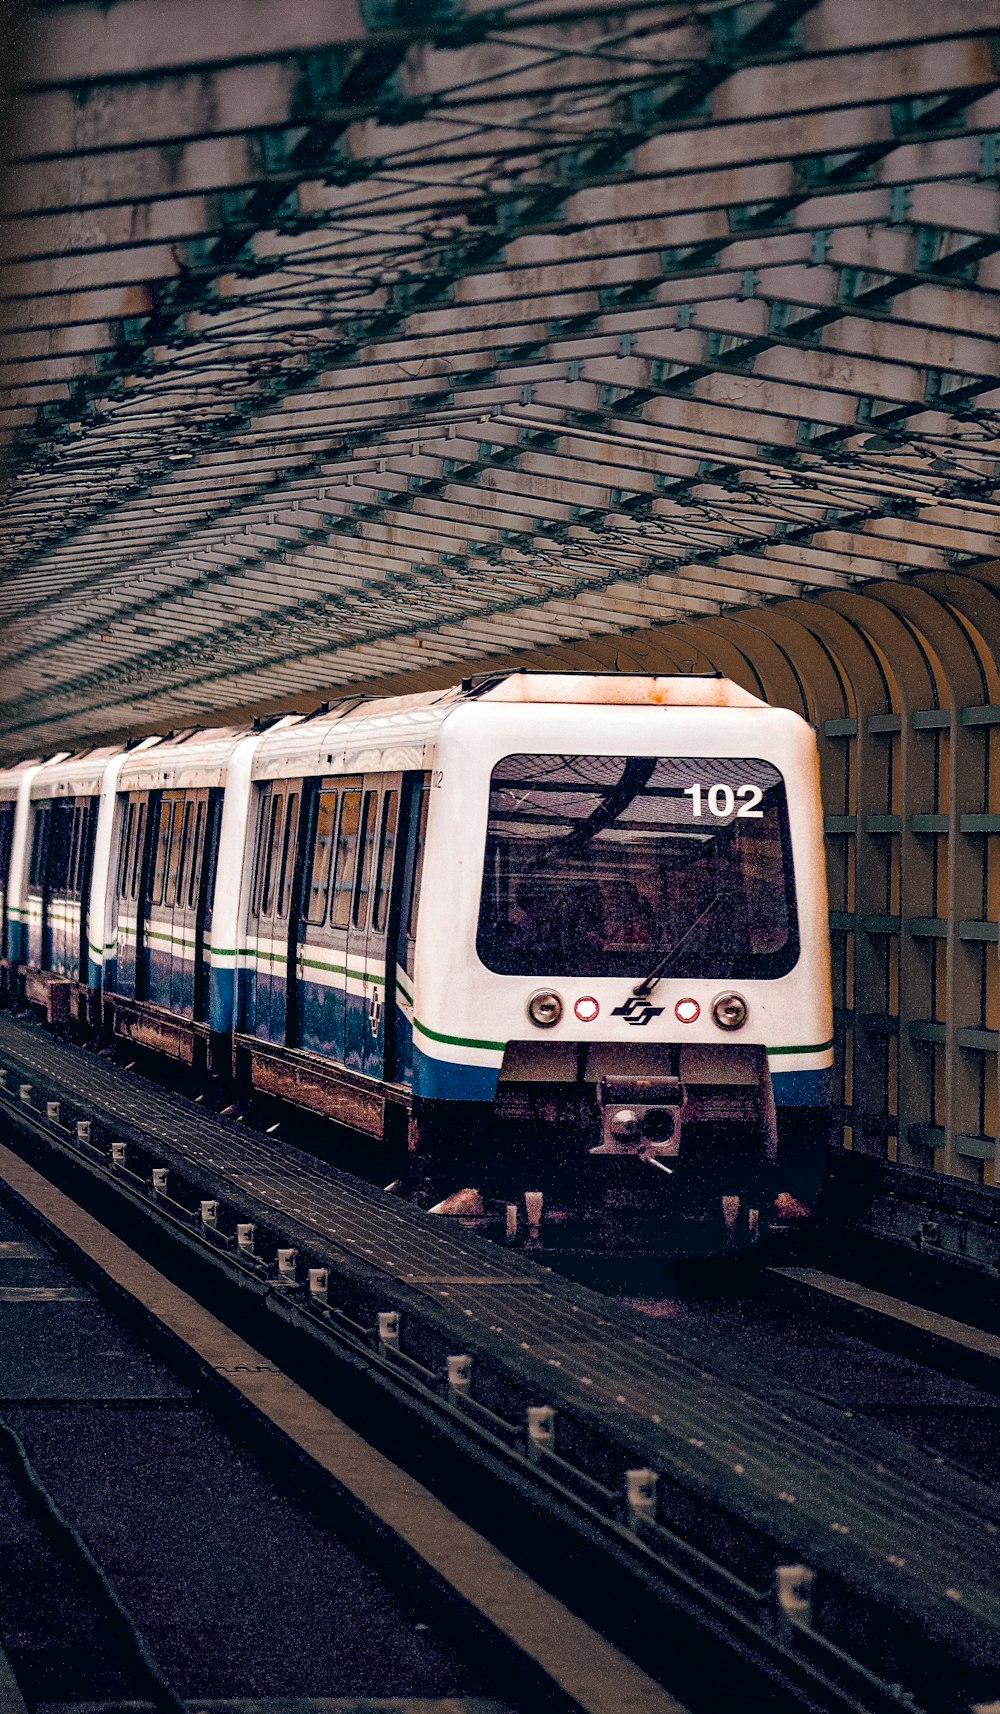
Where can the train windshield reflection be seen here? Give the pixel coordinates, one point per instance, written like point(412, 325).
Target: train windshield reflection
point(596, 865)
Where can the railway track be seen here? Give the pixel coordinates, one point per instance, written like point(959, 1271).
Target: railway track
point(916, 1374)
point(154, 1553)
point(784, 1606)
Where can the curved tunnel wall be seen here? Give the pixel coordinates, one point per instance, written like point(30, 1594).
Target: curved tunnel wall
point(901, 682)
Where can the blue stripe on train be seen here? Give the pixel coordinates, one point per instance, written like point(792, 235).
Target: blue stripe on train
point(801, 1088)
point(221, 998)
point(444, 1080)
point(170, 981)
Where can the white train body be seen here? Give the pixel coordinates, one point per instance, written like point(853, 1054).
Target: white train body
point(543, 926)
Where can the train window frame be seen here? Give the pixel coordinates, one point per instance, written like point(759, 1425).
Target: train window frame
point(124, 847)
point(73, 852)
point(563, 834)
point(80, 867)
point(82, 823)
point(342, 885)
point(181, 866)
point(38, 856)
point(173, 808)
point(289, 844)
point(276, 825)
point(364, 864)
point(141, 825)
point(210, 851)
point(321, 893)
point(7, 813)
point(60, 827)
point(423, 793)
point(156, 883)
point(382, 884)
point(258, 858)
point(197, 854)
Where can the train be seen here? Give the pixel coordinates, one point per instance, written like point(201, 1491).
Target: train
point(558, 941)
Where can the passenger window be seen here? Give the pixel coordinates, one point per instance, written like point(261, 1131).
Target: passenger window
point(418, 858)
point(80, 855)
point(274, 827)
point(59, 823)
point(288, 854)
point(79, 846)
point(210, 850)
point(162, 836)
point(363, 878)
point(74, 818)
point(39, 849)
point(181, 855)
point(6, 841)
point(386, 853)
point(171, 813)
point(70, 836)
point(260, 863)
point(137, 850)
point(124, 848)
point(197, 855)
point(347, 846)
point(324, 826)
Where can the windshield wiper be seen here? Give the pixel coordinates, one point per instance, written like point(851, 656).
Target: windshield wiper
point(644, 988)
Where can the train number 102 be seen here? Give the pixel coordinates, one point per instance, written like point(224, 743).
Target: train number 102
point(722, 801)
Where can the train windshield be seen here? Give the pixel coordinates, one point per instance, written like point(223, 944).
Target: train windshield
point(604, 865)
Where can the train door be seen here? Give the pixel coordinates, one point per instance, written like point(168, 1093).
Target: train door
point(38, 886)
point(57, 902)
point(182, 839)
point(154, 925)
point(316, 975)
point(202, 893)
point(70, 859)
point(271, 897)
point(129, 875)
point(177, 917)
point(6, 846)
point(83, 870)
point(363, 993)
point(403, 932)
point(378, 873)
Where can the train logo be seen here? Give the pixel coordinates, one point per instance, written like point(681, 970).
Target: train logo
point(374, 1013)
point(637, 1010)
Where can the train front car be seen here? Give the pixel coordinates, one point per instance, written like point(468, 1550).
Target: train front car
point(622, 979)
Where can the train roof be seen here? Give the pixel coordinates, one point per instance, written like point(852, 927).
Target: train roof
point(397, 731)
point(620, 690)
point(353, 732)
point(197, 757)
point(74, 776)
point(10, 778)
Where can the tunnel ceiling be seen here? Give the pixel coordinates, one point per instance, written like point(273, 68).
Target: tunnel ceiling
point(353, 341)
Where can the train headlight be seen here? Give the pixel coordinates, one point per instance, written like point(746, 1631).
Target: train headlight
point(545, 1008)
point(729, 1011)
point(624, 1125)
